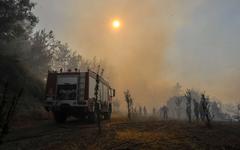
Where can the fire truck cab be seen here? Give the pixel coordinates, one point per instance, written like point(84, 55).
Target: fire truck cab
point(73, 94)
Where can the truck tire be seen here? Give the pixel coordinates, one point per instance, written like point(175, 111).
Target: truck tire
point(105, 116)
point(92, 117)
point(60, 117)
point(81, 118)
point(109, 113)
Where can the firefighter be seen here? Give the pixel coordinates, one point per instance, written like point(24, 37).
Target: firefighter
point(165, 112)
point(145, 111)
point(140, 110)
point(160, 112)
point(135, 111)
point(154, 111)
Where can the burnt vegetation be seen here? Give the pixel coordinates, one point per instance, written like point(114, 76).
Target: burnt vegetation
point(8, 105)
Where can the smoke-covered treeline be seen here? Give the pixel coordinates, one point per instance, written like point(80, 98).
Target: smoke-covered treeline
point(26, 55)
point(17, 22)
point(47, 53)
point(193, 105)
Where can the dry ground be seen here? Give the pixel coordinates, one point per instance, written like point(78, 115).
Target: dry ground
point(121, 134)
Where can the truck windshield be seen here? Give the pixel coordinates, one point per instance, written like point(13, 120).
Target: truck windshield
point(66, 92)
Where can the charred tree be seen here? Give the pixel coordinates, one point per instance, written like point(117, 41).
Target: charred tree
point(3, 102)
point(178, 102)
point(196, 109)
point(97, 103)
point(7, 111)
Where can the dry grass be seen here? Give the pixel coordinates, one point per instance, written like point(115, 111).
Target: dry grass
point(132, 134)
point(122, 134)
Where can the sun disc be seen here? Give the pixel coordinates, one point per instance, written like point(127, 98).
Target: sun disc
point(116, 24)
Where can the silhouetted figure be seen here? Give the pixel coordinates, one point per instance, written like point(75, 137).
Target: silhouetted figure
point(140, 110)
point(145, 111)
point(129, 101)
point(188, 105)
point(205, 108)
point(160, 112)
point(165, 112)
point(154, 111)
point(202, 115)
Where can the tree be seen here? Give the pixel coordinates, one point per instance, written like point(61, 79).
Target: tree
point(47, 53)
point(74, 61)
point(41, 55)
point(177, 89)
point(7, 110)
point(196, 109)
point(129, 102)
point(17, 22)
point(16, 18)
point(178, 102)
point(188, 105)
point(62, 56)
point(97, 100)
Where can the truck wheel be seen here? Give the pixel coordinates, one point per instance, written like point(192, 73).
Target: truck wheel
point(81, 118)
point(92, 117)
point(60, 117)
point(107, 116)
point(109, 113)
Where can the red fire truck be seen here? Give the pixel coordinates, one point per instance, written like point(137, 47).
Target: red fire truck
point(72, 94)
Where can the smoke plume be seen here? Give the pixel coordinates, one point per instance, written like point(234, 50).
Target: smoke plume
point(133, 56)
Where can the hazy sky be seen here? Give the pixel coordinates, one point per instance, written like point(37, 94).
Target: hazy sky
point(206, 51)
point(161, 42)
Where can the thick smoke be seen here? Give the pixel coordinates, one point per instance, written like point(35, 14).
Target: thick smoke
point(134, 54)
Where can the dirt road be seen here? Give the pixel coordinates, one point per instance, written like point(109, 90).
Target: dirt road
point(121, 134)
